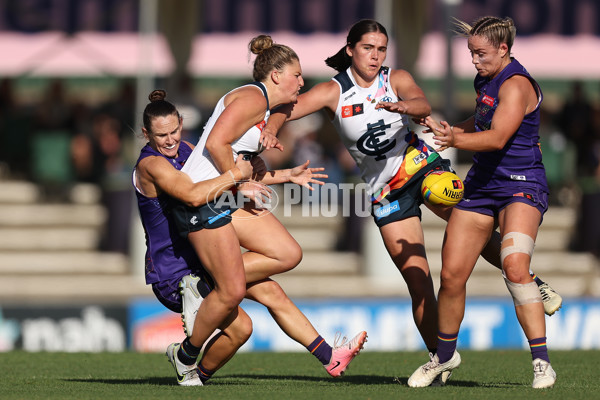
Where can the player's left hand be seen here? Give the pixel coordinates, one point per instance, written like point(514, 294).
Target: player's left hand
point(268, 140)
point(304, 176)
point(399, 107)
point(443, 133)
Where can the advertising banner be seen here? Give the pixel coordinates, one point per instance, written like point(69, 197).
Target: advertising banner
point(488, 324)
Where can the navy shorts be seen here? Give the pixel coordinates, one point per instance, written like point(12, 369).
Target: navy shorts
point(406, 201)
point(167, 292)
point(491, 202)
point(208, 216)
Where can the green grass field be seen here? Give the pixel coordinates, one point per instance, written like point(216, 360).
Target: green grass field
point(489, 375)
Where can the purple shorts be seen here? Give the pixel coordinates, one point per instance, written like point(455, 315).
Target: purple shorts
point(167, 292)
point(491, 202)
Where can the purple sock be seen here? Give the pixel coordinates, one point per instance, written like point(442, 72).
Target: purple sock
point(204, 374)
point(446, 346)
point(320, 349)
point(539, 349)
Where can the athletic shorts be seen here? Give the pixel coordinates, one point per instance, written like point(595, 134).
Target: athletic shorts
point(491, 202)
point(208, 216)
point(405, 202)
point(167, 292)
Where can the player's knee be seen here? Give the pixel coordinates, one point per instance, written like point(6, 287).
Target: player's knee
point(273, 293)
point(451, 279)
point(290, 256)
point(231, 295)
point(515, 255)
point(516, 272)
point(243, 329)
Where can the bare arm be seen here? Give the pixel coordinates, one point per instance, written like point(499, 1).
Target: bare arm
point(156, 175)
point(323, 95)
point(412, 98)
point(301, 175)
point(516, 98)
point(244, 108)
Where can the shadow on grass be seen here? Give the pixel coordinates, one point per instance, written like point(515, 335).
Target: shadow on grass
point(246, 380)
point(167, 381)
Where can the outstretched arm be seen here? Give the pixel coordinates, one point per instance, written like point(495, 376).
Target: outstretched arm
point(156, 175)
point(301, 175)
point(516, 98)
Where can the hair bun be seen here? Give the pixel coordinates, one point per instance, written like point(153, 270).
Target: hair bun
point(260, 43)
point(157, 95)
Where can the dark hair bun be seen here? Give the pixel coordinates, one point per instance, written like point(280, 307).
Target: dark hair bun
point(157, 95)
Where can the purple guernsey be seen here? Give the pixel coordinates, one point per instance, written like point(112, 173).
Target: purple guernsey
point(521, 158)
point(167, 254)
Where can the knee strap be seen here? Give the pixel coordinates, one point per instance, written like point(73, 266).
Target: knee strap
point(516, 242)
point(523, 293)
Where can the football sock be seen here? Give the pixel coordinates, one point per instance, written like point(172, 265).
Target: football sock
point(188, 353)
point(537, 280)
point(204, 374)
point(432, 350)
point(320, 349)
point(446, 346)
point(539, 349)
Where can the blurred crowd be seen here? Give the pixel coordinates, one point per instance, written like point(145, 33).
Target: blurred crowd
point(58, 142)
point(579, 122)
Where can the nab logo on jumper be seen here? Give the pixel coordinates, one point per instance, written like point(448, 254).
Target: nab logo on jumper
point(351, 111)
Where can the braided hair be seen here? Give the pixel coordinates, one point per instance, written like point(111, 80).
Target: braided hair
point(496, 30)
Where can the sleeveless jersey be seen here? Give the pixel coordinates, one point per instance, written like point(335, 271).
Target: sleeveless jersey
point(379, 141)
point(200, 166)
point(167, 254)
point(521, 158)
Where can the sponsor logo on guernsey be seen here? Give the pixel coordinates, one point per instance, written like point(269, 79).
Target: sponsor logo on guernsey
point(518, 177)
point(386, 210)
point(261, 125)
point(219, 216)
point(350, 95)
point(487, 100)
point(419, 158)
point(194, 220)
point(350, 111)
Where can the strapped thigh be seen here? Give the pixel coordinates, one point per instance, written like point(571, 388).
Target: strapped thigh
point(516, 242)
